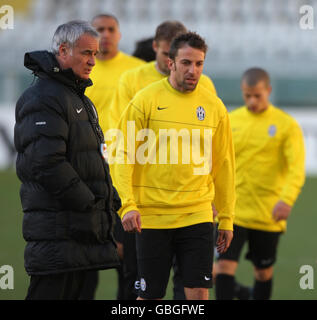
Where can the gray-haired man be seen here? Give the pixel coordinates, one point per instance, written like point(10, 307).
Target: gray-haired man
point(66, 191)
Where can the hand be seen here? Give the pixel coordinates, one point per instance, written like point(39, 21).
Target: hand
point(281, 211)
point(132, 221)
point(224, 240)
point(214, 211)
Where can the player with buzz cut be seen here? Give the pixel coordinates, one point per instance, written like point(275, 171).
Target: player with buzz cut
point(270, 172)
point(110, 64)
point(138, 78)
point(169, 203)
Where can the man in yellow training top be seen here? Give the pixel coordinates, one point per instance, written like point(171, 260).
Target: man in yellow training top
point(270, 173)
point(168, 183)
point(110, 64)
point(136, 79)
point(129, 84)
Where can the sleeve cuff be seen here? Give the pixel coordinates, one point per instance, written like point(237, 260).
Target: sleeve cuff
point(225, 224)
point(123, 211)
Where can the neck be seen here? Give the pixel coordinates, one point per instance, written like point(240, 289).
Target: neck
point(159, 70)
point(175, 85)
point(107, 55)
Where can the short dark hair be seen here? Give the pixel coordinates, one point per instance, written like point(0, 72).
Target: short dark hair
point(191, 39)
point(254, 75)
point(144, 50)
point(105, 15)
point(168, 30)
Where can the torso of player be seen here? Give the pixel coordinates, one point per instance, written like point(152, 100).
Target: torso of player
point(258, 140)
point(182, 126)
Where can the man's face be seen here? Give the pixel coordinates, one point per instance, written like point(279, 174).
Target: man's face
point(187, 68)
point(256, 97)
point(109, 34)
point(80, 58)
point(161, 49)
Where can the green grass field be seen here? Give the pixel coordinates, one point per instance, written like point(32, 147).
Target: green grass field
point(297, 247)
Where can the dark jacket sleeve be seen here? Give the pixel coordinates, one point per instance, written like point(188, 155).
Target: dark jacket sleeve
point(43, 133)
point(116, 200)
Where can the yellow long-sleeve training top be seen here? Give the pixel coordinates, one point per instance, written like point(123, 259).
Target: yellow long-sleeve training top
point(136, 79)
point(105, 76)
point(185, 163)
point(270, 165)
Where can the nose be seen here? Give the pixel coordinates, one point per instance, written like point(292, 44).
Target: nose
point(92, 60)
point(192, 68)
point(252, 101)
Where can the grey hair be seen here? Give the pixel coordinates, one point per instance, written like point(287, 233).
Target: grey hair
point(70, 32)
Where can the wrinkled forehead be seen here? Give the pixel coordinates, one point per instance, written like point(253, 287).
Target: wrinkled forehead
point(87, 42)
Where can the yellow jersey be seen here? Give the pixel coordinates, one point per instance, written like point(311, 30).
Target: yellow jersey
point(270, 165)
point(105, 76)
point(186, 162)
point(136, 79)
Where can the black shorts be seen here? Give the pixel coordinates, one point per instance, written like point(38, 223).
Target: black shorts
point(193, 248)
point(262, 246)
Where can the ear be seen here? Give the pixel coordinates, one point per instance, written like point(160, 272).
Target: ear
point(270, 89)
point(154, 46)
point(170, 63)
point(63, 50)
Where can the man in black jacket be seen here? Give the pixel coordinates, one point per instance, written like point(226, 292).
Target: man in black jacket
point(66, 193)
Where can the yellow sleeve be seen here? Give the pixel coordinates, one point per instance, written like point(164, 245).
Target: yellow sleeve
point(223, 173)
point(208, 84)
point(123, 95)
point(131, 121)
point(294, 153)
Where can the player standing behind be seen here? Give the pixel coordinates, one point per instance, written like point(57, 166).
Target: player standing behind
point(169, 204)
point(136, 79)
point(269, 149)
point(110, 64)
point(130, 83)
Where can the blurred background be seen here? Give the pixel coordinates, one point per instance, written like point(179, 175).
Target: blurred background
point(240, 34)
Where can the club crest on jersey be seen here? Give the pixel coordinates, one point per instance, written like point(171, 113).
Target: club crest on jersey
point(272, 130)
point(201, 113)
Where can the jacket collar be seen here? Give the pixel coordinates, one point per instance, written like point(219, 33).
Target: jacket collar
point(45, 63)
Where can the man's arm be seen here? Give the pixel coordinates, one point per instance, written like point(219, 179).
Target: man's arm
point(123, 167)
point(294, 154)
point(223, 174)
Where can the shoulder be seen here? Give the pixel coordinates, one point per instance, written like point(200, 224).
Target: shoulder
point(132, 61)
point(237, 112)
point(285, 118)
point(45, 94)
point(133, 72)
point(152, 89)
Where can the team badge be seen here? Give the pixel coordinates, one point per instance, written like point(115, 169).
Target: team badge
point(201, 113)
point(143, 284)
point(272, 130)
